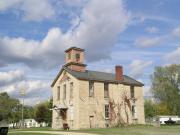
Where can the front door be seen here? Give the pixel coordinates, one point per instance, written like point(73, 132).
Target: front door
point(91, 122)
point(64, 115)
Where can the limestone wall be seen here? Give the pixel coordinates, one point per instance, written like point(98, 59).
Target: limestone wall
point(85, 112)
point(72, 104)
point(94, 106)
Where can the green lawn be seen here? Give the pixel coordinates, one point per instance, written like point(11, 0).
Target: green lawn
point(27, 134)
point(132, 130)
point(33, 129)
point(136, 130)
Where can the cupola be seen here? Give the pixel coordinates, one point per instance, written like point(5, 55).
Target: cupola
point(75, 59)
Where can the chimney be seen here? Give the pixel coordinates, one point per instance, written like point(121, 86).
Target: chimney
point(119, 73)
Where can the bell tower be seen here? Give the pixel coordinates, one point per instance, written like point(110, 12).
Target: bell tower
point(75, 59)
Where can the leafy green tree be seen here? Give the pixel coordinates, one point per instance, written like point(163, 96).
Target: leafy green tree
point(43, 112)
point(166, 88)
point(29, 112)
point(40, 115)
point(150, 109)
point(162, 109)
point(9, 108)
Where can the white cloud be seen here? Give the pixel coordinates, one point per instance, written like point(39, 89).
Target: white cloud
point(14, 81)
point(148, 42)
point(34, 53)
point(100, 34)
point(137, 67)
point(75, 3)
point(98, 28)
point(173, 57)
point(152, 29)
point(35, 90)
point(147, 91)
point(33, 10)
point(176, 32)
point(11, 77)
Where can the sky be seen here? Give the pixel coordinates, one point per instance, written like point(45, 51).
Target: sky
point(137, 34)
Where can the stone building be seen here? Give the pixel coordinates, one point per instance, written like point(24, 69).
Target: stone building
point(88, 99)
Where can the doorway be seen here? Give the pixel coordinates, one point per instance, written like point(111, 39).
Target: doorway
point(91, 122)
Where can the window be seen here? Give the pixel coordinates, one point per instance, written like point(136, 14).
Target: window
point(69, 55)
point(91, 89)
point(64, 91)
point(77, 56)
point(106, 111)
point(71, 90)
point(134, 113)
point(58, 93)
point(132, 91)
point(106, 90)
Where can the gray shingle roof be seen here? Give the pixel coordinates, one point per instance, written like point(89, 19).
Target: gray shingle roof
point(99, 76)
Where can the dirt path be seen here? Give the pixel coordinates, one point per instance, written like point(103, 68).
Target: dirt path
point(52, 132)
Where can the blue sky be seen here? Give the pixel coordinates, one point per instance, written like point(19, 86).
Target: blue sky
point(137, 34)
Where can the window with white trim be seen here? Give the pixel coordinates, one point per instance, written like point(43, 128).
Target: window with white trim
point(91, 88)
point(64, 91)
point(58, 93)
point(106, 90)
point(106, 109)
point(132, 91)
point(71, 90)
point(134, 112)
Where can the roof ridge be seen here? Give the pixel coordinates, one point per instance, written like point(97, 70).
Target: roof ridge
point(100, 72)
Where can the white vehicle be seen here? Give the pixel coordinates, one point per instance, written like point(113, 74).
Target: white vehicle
point(162, 119)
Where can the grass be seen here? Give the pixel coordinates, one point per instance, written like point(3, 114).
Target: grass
point(33, 129)
point(136, 130)
point(27, 134)
point(132, 130)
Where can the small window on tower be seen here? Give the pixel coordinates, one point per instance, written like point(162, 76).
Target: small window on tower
point(77, 56)
point(69, 55)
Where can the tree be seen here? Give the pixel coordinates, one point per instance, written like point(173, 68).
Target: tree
point(166, 87)
point(43, 112)
point(40, 115)
point(9, 108)
point(150, 109)
point(29, 112)
point(162, 109)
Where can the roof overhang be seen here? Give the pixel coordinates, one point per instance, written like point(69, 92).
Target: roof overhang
point(59, 107)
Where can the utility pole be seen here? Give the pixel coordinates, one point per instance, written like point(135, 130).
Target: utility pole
point(22, 94)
